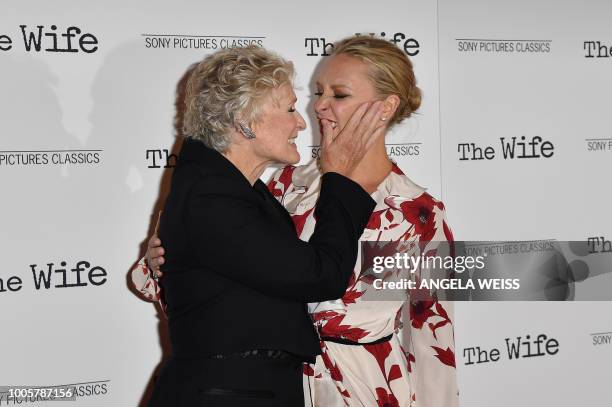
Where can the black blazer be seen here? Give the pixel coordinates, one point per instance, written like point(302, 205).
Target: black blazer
point(236, 275)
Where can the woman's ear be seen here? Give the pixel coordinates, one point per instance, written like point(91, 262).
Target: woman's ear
point(245, 130)
point(390, 105)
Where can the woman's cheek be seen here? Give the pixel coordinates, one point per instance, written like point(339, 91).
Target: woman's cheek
point(347, 113)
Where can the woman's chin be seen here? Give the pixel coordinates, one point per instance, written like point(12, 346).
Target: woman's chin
point(293, 157)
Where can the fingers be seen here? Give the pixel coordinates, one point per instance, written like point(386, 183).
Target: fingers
point(353, 122)
point(377, 134)
point(154, 242)
point(154, 267)
point(364, 121)
point(157, 223)
point(371, 122)
point(371, 118)
point(327, 133)
point(368, 129)
point(155, 252)
point(155, 257)
point(154, 248)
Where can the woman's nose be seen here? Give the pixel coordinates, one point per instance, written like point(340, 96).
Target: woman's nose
point(301, 122)
point(321, 105)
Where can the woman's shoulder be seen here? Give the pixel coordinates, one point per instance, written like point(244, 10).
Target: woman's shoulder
point(400, 185)
point(404, 194)
point(413, 204)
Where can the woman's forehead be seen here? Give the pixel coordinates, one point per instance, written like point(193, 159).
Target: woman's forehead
point(341, 70)
point(285, 92)
point(282, 95)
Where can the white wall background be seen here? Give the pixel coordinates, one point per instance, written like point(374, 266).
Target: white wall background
point(120, 100)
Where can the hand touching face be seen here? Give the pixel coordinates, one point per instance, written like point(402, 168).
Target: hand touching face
point(342, 86)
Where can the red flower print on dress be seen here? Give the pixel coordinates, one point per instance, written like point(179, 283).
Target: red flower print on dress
point(374, 221)
point(396, 169)
point(307, 370)
point(395, 373)
point(409, 360)
point(350, 296)
point(334, 372)
point(420, 312)
point(333, 328)
point(385, 399)
point(447, 232)
point(381, 352)
point(419, 212)
point(441, 313)
point(300, 220)
point(446, 356)
point(279, 186)
point(389, 215)
point(323, 315)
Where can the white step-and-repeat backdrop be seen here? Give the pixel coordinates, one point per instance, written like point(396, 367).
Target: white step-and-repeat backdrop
point(514, 135)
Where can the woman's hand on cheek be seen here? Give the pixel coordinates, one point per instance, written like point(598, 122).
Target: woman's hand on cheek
point(342, 150)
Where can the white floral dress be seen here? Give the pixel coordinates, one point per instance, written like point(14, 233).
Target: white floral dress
point(416, 366)
point(413, 365)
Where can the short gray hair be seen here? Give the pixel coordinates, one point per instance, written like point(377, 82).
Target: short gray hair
point(229, 86)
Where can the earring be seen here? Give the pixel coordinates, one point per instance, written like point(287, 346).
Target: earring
point(246, 131)
point(383, 118)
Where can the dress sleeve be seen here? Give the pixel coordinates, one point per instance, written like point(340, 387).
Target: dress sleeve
point(427, 334)
point(143, 282)
point(229, 236)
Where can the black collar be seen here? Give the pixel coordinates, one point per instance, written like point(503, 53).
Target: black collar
point(213, 162)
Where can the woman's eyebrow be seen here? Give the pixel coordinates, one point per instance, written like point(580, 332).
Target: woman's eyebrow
point(335, 86)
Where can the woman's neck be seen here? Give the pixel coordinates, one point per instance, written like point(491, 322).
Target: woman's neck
point(248, 164)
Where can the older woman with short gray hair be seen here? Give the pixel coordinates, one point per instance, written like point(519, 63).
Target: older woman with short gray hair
point(228, 87)
point(236, 275)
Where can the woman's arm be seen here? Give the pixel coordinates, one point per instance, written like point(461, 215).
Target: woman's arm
point(143, 281)
point(229, 236)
